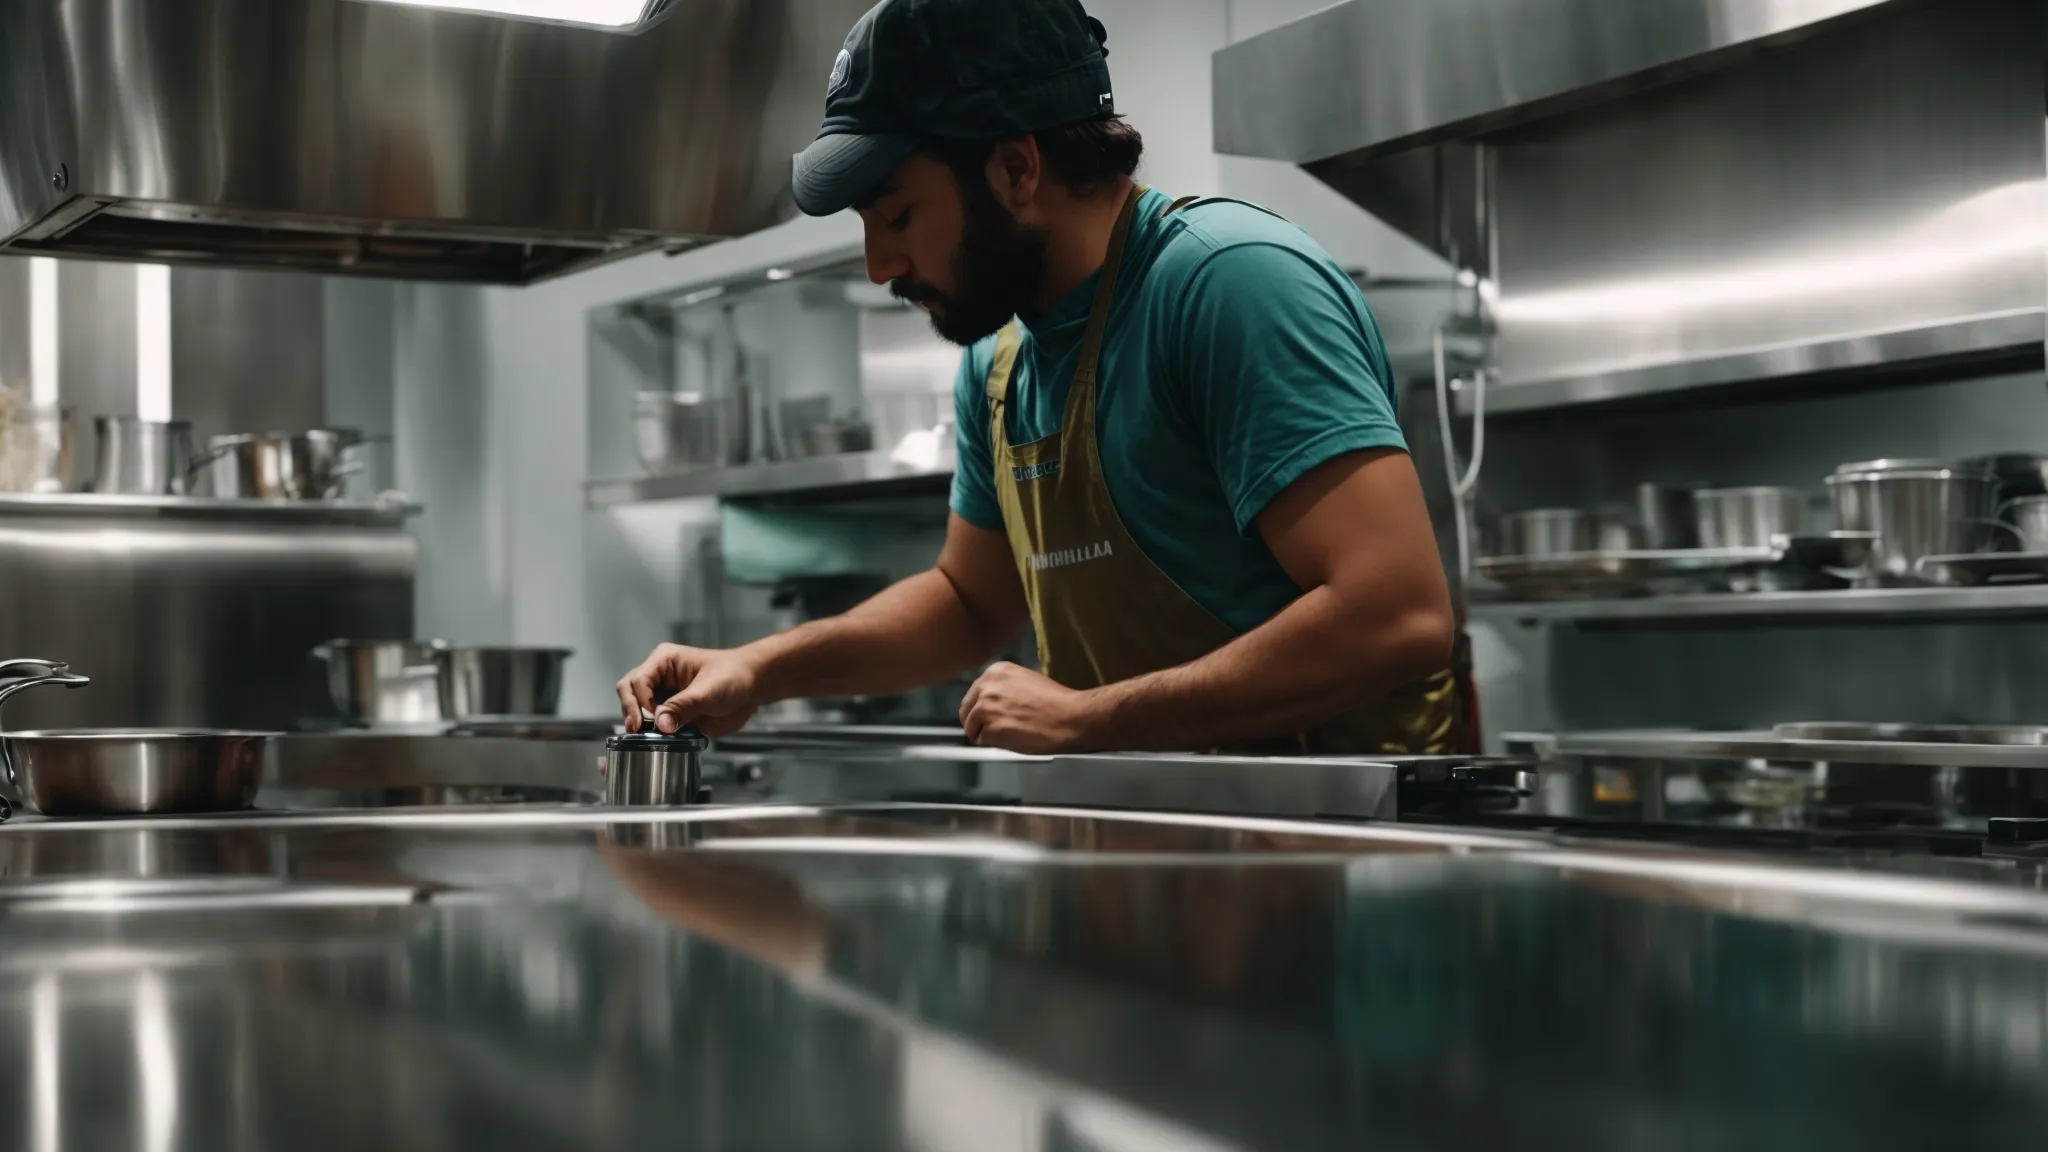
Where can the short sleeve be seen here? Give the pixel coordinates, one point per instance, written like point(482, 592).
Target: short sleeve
point(1283, 368)
point(974, 487)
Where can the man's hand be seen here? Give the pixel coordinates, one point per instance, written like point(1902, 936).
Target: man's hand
point(1023, 711)
point(713, 689)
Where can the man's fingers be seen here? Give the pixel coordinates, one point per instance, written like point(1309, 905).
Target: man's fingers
point(705, 698)
point(681, 708)
point(973, 697)
point(629, 705)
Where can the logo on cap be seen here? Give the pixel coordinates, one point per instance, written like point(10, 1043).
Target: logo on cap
point(840, 67)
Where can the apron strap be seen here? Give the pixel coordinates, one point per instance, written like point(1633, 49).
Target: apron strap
point(1105, 290)
point(1004, 364)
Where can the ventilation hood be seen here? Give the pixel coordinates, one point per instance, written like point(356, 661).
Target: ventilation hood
point(379, 139)
point(1384, 99)
point(1757, 195)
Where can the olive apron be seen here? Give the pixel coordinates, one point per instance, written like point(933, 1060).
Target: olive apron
point(1103, 612)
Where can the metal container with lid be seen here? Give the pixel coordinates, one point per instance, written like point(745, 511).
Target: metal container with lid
point(655, 770)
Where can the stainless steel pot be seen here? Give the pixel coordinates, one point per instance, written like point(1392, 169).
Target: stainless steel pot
point(679, 431)
point(125, 771)
point(648, 769)
point(384, 681)
point(1548, 532)
point(135, 771)
point(500, 681)
point(141, 457)
point(834, 437)
point(1749, 517)
point(2029, 517)
point(1916, 509)
point(281, 465)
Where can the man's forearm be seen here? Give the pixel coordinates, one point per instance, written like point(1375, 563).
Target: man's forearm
point(915, 633)
point(1307, 664)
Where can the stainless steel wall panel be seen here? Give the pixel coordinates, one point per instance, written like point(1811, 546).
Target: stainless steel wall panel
point(14, 322)
point(248, 350)
point(1889, 178)
point(96, 342)
point(1687, 194)
point(192, 621)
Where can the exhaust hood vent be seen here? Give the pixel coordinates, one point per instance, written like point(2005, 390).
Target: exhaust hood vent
point(397, 140)
point(1769, 197)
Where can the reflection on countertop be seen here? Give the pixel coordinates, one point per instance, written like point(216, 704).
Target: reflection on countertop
point(947, 978)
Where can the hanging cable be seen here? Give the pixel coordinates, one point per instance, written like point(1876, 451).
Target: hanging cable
point(1463, 479)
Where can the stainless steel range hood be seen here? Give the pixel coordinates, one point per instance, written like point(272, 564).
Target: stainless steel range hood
point(1689, 193)
point(389, 140)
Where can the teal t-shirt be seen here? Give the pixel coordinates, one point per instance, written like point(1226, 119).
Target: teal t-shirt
point(1238, 356)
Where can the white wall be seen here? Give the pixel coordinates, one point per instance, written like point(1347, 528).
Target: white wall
point(491, 389)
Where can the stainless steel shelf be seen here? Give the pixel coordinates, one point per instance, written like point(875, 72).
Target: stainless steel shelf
point(2009, 335)
point(1847, 604)
point(374, 512)
point(850, 473)
point(1685, 744)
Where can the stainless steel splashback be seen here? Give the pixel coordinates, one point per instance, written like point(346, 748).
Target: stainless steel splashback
point(381, 139)
point(1686, 194)
point(194, 615)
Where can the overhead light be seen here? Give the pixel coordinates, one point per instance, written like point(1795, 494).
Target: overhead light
point(42, 331)
point(153, 342)
point(780, 274)
point(622, 14)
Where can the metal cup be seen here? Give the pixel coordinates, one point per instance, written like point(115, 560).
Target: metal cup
point(651, 770)
point(1666, 514)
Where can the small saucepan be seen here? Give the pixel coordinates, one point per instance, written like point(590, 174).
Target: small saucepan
point(124, 771)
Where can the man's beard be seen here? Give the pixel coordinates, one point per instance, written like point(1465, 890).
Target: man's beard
point(996, 271)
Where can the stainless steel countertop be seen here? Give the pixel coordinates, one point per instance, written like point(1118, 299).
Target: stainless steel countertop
point(944, 978)
point(1686, 744)
point(830, 765)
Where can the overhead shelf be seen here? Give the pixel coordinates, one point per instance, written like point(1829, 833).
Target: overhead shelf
point(1874, 604)
point(1862, 361)
point(388, 511)
point(844, 476)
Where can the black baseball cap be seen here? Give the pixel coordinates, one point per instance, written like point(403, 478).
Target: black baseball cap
point(950, 69)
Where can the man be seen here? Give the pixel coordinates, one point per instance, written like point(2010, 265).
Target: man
point(1180, 462)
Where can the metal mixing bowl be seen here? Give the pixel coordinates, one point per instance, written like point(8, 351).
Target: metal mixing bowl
point(134, 771)
point(501, 681)
point(384, 681)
